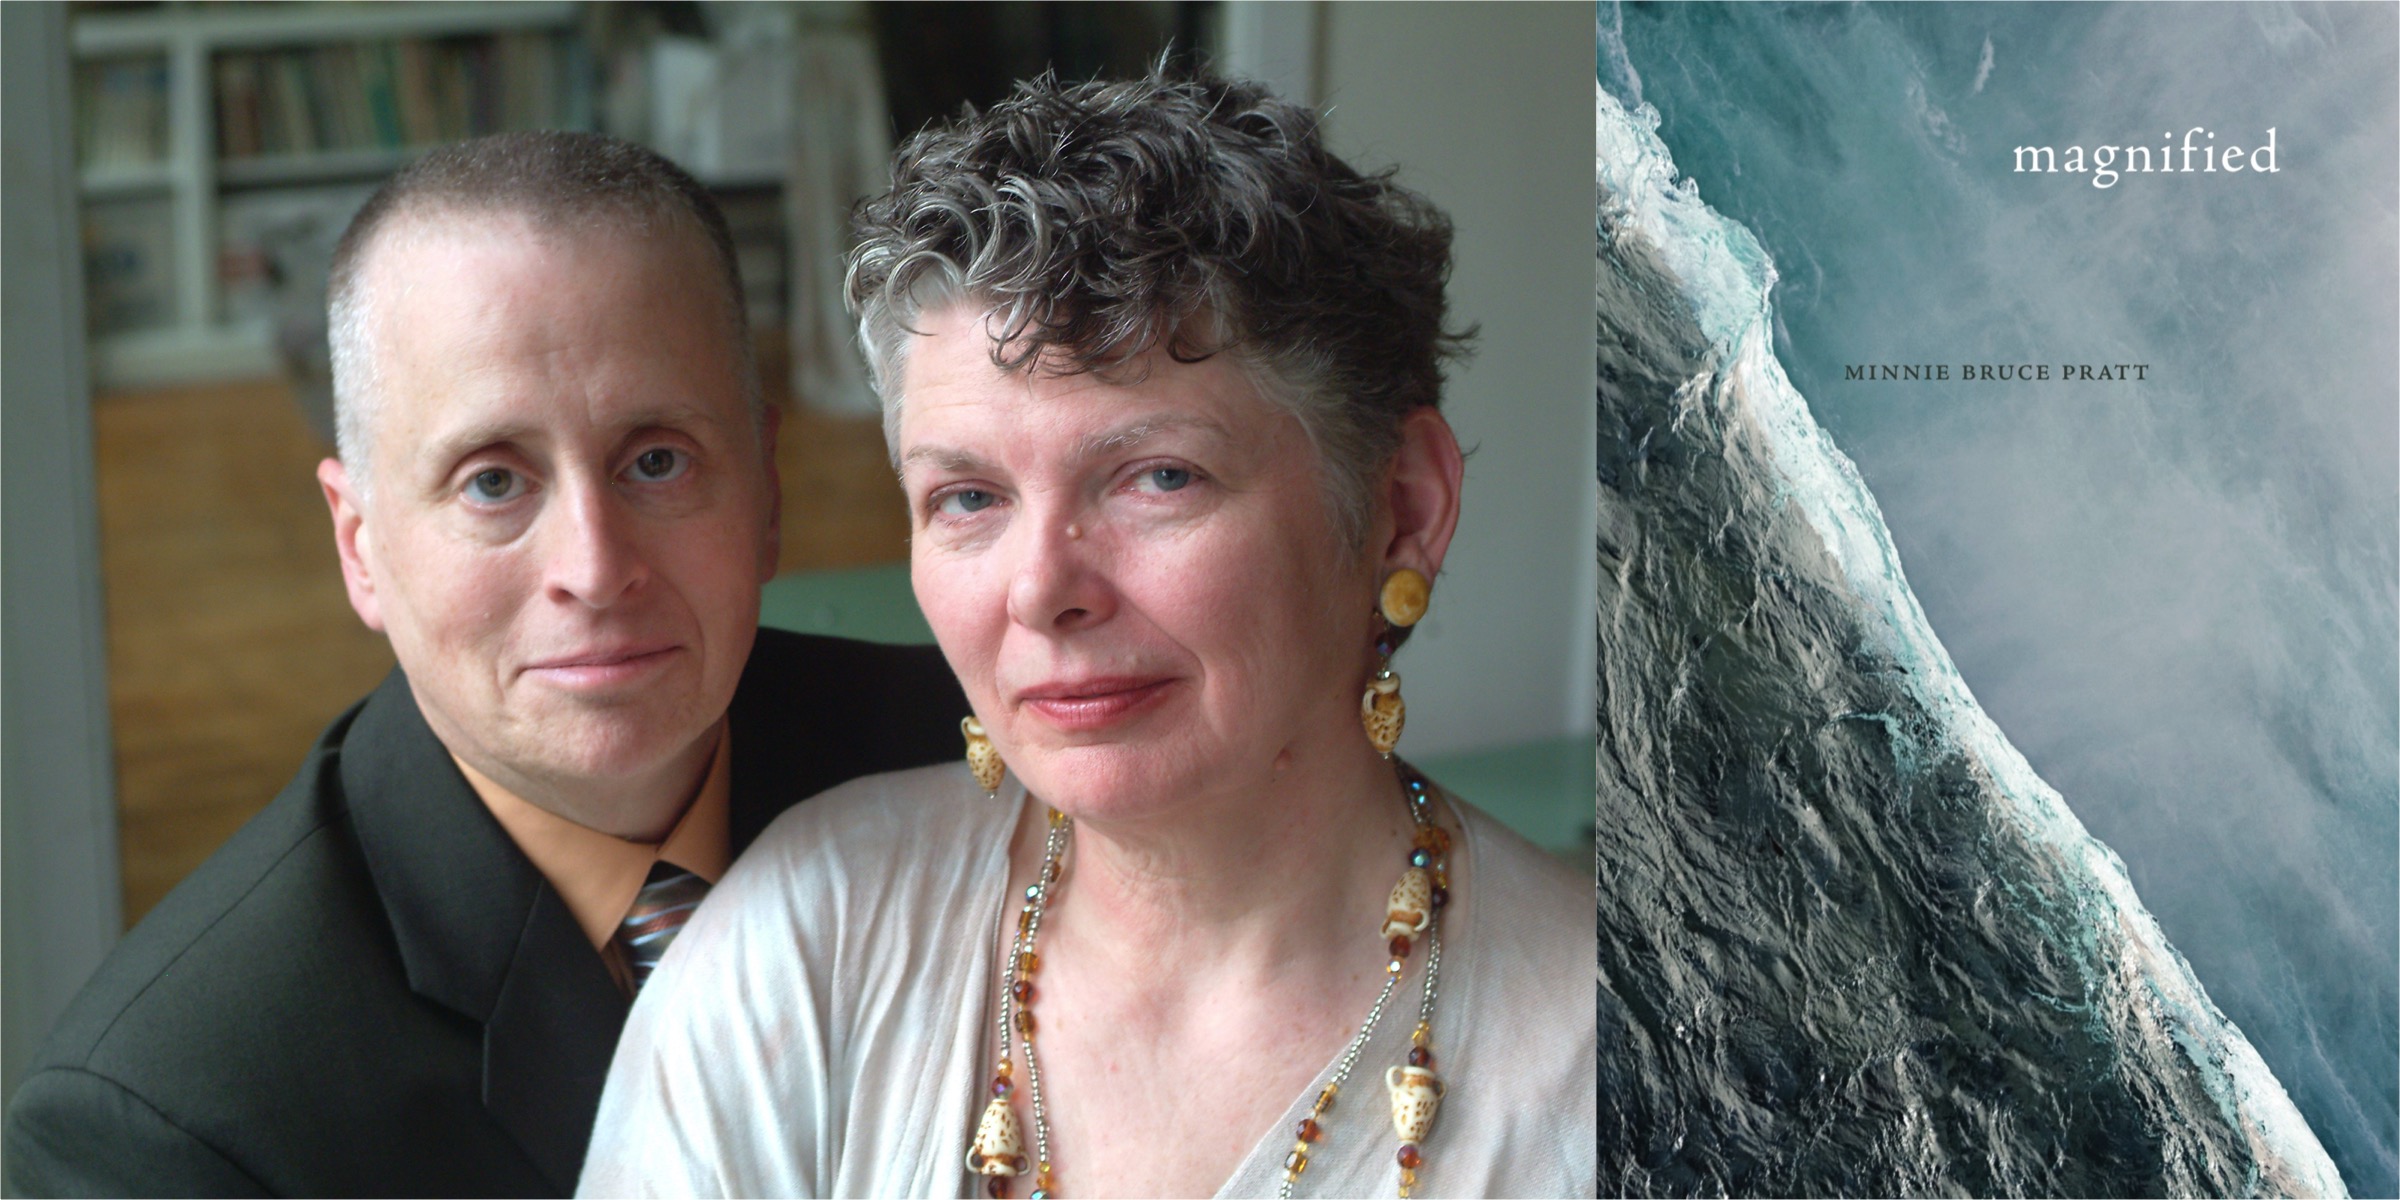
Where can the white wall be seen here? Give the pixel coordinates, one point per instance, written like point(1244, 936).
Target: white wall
point(58, 827)
point(1486, 109)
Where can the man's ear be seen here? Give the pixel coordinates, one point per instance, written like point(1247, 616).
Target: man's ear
point(1422, 492)
point(351, 540)
point(771, 554)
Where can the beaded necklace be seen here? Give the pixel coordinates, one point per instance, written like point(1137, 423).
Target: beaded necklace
point(998, 1150)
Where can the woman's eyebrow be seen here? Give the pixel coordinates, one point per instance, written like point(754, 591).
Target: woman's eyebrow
point(1095, 445)
point(1128, 436)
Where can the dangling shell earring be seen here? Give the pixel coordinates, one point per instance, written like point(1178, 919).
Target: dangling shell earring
point(982, 757)
point(1382, 710)
point(1401, 603)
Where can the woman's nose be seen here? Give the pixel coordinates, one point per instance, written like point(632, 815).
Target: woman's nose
point(1060, 584)
point(590, 552)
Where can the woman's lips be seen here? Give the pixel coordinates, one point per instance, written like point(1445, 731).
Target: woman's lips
point(1093, 704)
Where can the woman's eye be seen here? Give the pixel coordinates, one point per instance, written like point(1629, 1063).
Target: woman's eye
point(965, 501)
point(1166, 479)
point(492, 485)
point(658, 464)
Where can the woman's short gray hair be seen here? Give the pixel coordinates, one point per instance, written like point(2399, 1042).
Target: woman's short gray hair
point(1097, 221)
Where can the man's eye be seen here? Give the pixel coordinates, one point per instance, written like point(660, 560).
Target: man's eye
point(658, 464)
point(1166, 479)
point(493, 485)
point(965, 501)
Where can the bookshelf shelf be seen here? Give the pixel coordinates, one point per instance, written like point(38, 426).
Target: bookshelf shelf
point(126, 179)
point(330, 141)
point(323, 166)
point(231, 350)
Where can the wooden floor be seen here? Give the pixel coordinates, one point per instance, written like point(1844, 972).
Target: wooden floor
point(230, 642)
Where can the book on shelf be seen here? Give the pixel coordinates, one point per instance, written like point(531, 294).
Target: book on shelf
point(333, 75)
point(398, 93)
point(376, 88)
point(121, 112)
point(292, 131)
point(237, 105)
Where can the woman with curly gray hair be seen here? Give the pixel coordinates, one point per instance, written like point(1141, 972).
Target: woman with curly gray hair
point(1161, 378)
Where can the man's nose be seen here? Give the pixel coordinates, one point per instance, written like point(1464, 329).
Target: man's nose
point(1060, 582)
point(591, 551)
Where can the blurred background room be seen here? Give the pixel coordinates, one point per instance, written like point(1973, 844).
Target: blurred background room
point(177, 174)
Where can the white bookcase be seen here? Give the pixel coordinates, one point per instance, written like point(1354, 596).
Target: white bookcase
point(200, 343)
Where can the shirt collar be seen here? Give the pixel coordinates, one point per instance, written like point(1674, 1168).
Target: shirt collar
point(598, 874)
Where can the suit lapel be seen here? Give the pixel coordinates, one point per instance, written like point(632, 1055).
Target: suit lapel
point(547, 1045)
point(481, 933)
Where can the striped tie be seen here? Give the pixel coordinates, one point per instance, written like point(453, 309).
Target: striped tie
point(657, 915)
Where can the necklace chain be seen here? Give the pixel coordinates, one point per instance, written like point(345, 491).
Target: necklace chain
point(997, 1151)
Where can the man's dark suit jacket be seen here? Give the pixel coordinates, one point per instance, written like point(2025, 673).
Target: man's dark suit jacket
point(370, 991)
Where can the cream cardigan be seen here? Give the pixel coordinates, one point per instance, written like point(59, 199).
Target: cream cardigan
point(820, 1028)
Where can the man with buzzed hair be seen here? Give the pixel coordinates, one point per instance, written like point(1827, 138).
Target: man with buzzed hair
point(555, 493)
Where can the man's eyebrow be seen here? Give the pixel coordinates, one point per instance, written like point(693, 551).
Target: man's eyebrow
point(449, 447)
point(677, 415)
point(945, 458)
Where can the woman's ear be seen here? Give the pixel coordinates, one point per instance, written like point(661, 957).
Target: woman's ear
point(1423, 493)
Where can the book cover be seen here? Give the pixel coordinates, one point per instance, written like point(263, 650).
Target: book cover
point(2000, 780)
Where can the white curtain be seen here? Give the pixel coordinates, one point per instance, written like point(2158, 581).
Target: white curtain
point(841, 154)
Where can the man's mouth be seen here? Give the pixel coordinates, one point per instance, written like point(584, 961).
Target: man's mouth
point(602, 668)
